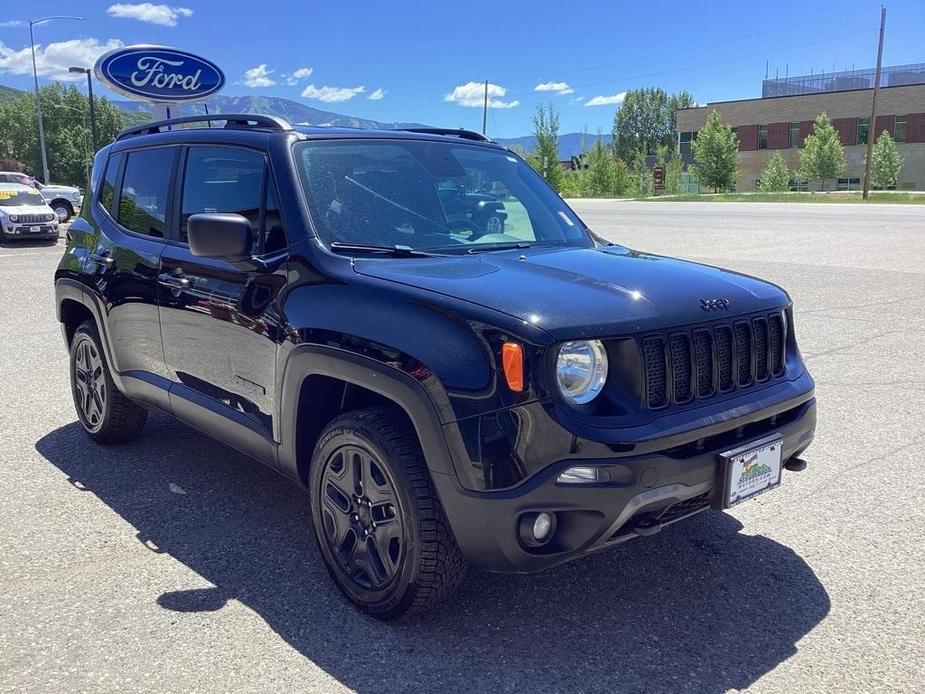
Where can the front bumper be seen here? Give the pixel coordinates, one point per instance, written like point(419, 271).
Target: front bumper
point(646, 492)
point(42, 230)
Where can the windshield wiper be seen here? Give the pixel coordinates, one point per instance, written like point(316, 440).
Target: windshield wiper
point(498, 247)
point(396, 250)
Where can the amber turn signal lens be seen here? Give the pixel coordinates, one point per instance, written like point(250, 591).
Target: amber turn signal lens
point(512, 359)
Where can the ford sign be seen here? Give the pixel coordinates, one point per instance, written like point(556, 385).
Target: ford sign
point(159, 74)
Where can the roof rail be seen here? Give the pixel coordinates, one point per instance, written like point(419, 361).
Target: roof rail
point(456, 132)
point(232, 120)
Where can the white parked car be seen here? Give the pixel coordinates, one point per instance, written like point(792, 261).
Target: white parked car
point(24, 214)
point(64, 200)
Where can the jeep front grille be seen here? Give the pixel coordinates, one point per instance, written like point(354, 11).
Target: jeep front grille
point(704, 360)
point(33, 218)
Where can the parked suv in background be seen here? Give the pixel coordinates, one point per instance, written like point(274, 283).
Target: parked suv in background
point(64, 200)
point(448, 395)
point(24, 214)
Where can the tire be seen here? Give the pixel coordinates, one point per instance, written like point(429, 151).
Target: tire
point(63, 209)
point(409, 560)
point(105, 414)
point(494, 224)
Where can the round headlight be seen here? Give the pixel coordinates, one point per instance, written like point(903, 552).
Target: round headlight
point(14, 218)
point(581, 370)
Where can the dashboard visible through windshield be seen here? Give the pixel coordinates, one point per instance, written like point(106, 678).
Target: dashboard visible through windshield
point(431, 196)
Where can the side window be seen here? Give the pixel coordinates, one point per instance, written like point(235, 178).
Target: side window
point(143, 198)
point(108, 188)
point(222, 179)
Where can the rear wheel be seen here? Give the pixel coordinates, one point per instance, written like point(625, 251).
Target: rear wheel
point(379, 524)
point(106, 415)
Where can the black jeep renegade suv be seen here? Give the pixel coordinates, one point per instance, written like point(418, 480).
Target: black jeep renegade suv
point(450, 392)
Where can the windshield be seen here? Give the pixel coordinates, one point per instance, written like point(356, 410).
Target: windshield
point(431, 196)
point(17, 198)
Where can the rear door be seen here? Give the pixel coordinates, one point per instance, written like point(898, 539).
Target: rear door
point(122, 267)
point(219, 321)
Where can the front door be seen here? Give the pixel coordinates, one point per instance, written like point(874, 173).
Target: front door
point(219, 321)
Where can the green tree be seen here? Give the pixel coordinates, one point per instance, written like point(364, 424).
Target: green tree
point(646, 119)
point(546, 158)
point(601, 179)
point(673, 171)
point(822, 156)
point(716, 152)
point(68, 141)
point(642, 176)
point(776, 176)
point(885, 163)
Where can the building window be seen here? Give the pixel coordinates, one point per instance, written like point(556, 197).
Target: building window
point(848, 184)
point(795, 135)
point(799, 185)
point(899, 129)
point(685, 140)
point(863, 128)
point(762, 137)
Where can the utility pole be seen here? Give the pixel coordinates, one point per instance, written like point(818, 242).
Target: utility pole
point(485, 110)
point(87, 71)
point(871, 125)
point(38, 103)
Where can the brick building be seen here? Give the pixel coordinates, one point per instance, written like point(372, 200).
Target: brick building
point(783, 117)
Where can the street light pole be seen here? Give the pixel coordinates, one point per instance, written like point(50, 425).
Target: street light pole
point(87, 72)
point(38, 103)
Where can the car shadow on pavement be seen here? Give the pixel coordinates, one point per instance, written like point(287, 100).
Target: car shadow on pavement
point(699, 607)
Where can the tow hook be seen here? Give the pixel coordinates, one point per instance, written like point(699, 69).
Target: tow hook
point(646, 525)
point(795, 464)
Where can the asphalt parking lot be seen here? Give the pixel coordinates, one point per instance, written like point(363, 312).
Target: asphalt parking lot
point(176, 564)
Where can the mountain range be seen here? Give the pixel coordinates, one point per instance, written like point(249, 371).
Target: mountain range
point(136, 113)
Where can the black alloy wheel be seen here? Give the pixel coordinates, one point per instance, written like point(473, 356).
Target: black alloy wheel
point(107, 416)
point(380, 527)
point(361, 517)
point(91, 389)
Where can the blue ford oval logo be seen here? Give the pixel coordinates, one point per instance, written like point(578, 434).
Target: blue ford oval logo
point(159, 74)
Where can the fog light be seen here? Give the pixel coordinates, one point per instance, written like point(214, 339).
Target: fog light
point(583, 475)
point(542, 526)
point(536, 529)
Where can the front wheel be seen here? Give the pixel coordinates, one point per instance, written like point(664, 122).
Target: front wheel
point(494, 225)
point(62, 209)
point(379, 524)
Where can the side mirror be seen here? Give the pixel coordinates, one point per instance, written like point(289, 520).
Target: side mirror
point(219, 235)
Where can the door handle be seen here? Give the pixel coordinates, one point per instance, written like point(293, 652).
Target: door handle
point(173, 281)
point(101, 259)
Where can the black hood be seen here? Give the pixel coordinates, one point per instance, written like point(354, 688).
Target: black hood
point(593, 292)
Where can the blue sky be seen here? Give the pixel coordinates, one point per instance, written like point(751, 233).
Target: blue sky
point(407, 61)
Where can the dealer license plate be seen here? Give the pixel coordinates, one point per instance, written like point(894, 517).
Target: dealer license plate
point(35, 230)
point(752, 470)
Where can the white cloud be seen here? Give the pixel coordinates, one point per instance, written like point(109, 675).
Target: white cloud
point(53, 60)
point(297, 75)
point(165, 15)
point(606, 100)
point(558, 87)
point(259, 76)
point(378, 94)
point(472, 95)
point(331, 94)
point(13, 23)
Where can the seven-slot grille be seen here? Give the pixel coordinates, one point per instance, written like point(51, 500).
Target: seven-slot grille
point(705, 360)
point(33, 218)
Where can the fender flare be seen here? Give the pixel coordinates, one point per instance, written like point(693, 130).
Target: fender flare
point(72, 290)
point(391, 383)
